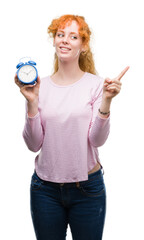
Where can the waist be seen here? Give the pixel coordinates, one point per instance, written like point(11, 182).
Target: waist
point(96, 168)
point(91, 174)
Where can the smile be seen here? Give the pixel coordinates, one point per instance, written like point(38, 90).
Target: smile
point(65, 49)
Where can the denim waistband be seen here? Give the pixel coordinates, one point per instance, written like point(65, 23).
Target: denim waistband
point(91, 176)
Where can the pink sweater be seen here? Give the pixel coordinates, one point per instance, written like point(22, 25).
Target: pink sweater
point(67, 129)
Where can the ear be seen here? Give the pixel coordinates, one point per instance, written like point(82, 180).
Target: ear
point(84, 48)
point(83, 51)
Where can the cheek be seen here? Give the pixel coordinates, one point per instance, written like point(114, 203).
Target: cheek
point(57, 41)
point(78, 50)
point(76, 47)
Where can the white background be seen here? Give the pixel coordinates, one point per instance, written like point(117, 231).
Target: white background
point(117, 42)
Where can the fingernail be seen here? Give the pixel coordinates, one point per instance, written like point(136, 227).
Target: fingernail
point(109, 80)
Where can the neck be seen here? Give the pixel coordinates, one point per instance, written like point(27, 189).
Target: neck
point(69, 70)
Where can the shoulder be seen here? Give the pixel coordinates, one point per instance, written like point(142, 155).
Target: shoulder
point(43, 82)
point(95, 80)
point(44, 79)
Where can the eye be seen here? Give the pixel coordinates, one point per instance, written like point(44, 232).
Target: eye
point(60, 35)
point(73, 37)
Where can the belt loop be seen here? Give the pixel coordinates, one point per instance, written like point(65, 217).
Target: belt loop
point(102, 170)
point(77, 184)
point(61, 184)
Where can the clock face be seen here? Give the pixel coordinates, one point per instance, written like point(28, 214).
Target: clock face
point(27, 74)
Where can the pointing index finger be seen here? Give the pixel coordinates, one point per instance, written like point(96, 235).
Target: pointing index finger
point(122, 73)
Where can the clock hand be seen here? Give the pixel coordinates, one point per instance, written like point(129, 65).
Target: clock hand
point(23, 72)
point(29, 71)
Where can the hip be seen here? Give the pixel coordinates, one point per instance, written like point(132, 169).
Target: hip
point(95, 169)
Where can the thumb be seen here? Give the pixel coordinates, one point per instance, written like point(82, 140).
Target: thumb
point(38, 80)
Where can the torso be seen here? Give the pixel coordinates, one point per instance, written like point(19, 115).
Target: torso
point(62, 83)
point(58, 82)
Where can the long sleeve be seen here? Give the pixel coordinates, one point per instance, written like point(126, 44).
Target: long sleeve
point(66, 116)
point(99, 127)
point(33, 132)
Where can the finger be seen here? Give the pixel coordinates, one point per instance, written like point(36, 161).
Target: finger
point(25, 86)
point(122, 73)
point(114, 89)
point(16, 78)
point(38, 80)
point(114, 85)
point(18, 83)
point(115, 82)
point(107, 80)
point(106, 84)
point(36, 83)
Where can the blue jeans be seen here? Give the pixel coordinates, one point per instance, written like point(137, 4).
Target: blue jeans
point(55, 205)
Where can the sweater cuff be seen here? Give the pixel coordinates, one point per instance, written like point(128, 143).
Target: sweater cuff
point(34, 117)
point(101, 122)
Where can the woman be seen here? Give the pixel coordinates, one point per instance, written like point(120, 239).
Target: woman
point(68, 118)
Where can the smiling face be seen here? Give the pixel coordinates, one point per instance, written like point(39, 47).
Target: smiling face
point(68, 43)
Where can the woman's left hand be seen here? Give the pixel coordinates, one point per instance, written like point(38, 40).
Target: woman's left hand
point(113, 86)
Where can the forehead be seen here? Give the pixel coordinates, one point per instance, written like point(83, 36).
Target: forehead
point(70, 27)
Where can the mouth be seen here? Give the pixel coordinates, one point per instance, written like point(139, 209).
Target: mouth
point(65, 49)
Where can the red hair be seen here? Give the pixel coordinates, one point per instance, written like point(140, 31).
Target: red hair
point(86, 61)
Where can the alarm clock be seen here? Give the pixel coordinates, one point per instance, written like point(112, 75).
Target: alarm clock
point(27, 72)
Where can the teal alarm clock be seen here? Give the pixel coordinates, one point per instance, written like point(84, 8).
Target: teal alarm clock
point(27, 72)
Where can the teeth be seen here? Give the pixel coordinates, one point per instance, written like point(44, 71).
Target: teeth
point(65, 49)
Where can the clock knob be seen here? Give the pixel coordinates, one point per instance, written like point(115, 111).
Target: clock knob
point(20, 64)
point(32, 62)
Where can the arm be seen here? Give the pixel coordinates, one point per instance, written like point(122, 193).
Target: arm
point(33, 133)
point(101, 123)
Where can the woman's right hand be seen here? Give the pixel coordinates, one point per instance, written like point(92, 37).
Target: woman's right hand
point(30, 92)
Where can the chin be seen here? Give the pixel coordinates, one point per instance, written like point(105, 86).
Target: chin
point(68, 58)
point(65, 59)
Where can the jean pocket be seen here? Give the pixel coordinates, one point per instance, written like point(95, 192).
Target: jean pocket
point(94, 187)
point(35, 182)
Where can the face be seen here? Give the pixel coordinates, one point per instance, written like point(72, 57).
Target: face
point(68, 43)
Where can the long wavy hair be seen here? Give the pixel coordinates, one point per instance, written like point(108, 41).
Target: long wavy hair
point(86, 61)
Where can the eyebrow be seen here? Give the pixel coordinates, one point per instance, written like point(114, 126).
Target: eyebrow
point(70, 32)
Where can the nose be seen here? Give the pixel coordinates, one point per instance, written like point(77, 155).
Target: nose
point(65, 39)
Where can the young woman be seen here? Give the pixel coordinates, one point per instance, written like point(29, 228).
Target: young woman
point(67, 119)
